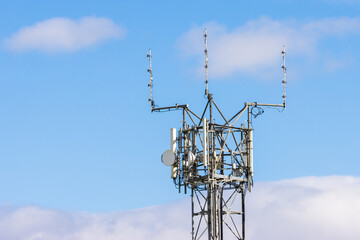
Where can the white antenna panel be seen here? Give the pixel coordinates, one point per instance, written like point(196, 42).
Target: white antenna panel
point(173, 139)
point(205, 142)
point(251, 149)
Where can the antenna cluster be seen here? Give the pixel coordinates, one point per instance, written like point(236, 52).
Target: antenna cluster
point(213, 160)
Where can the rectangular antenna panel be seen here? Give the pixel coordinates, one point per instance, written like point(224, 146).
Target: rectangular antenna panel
point(251, 149)
point(205, 153)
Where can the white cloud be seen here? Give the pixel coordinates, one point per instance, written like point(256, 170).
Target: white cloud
point(157, 222)
point(306, 208)
point(63, 34)
point(254, 48)
point(309, 208)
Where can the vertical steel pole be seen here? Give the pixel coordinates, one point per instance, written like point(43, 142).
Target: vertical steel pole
point(192, 213)
point(209, 212)
point(184, 145)
point(249, 116)
point(221, 213)
point(214, 209)
point(243, 212)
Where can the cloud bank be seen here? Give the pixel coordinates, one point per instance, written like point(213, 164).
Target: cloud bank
point(254, 48)
point(309, 208)
point(64, 34)
point(306, 208)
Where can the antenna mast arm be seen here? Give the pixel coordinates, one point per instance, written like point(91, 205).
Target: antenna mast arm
point(170, 108)
point(151, 99)
point(283, 105)
point(176, 107)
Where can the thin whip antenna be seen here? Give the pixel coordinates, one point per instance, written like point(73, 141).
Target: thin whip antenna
point(284, 76)
point(150, 84)
point(206, 64)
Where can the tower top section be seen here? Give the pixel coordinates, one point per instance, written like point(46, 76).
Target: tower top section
point(208, 156)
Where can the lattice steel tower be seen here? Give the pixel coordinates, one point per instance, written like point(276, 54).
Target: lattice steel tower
point(214, 161)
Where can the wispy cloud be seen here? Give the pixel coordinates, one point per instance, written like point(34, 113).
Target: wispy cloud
point(309, 208)
point(64, 34)
point(254, 48)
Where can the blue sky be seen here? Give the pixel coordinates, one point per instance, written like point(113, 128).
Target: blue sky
point(76, 132)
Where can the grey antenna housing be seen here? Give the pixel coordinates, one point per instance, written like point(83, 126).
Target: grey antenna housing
point(213, 160)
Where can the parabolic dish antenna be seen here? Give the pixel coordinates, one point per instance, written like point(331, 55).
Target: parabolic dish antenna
point(191, 158)
point(168, 158)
